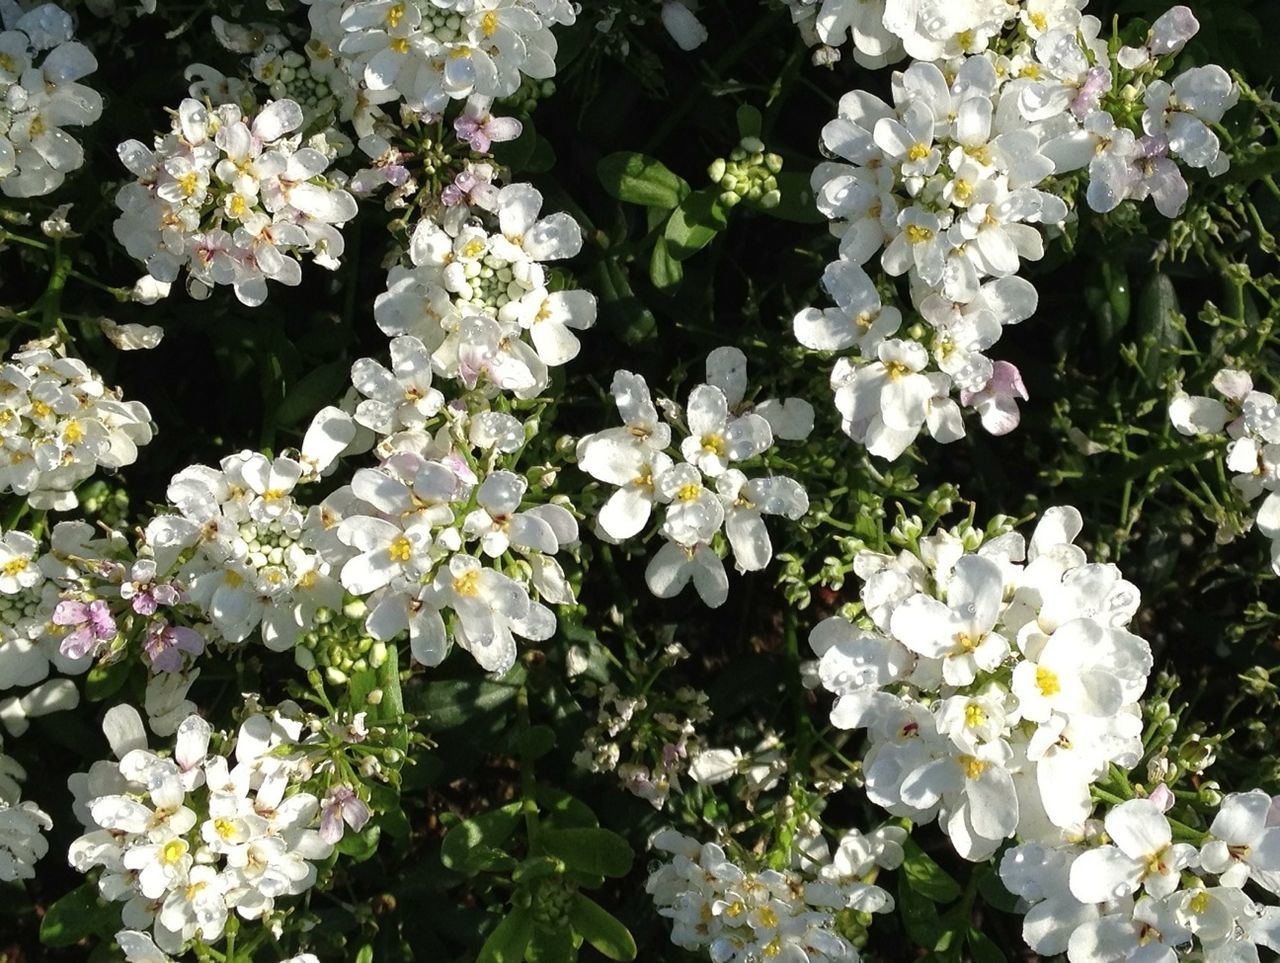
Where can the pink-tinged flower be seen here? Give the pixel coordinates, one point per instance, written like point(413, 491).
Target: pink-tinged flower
point(474, 187)
point(478, 128)
point(1163, 797)
point(93, 622)
point(165, 644)
point(997, 403)
point(341, 806)
point(1096, 83)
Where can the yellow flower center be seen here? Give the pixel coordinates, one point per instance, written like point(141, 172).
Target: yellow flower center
point(963, 190)
point(73, 432)
point(1047, 682)
point(918, 152)
point(38, 126)
point(467, 584)
point(1198, 903)
point(233, 578)
point(689, 492)
point(172, 851)
point(14, 566)
point(400, 45)
point(395, 15)
point(400, 549)
point(238, 206)
point(918, 234)
point(224, 828)
point(473, 248)
point(40, 409)
point(1038, 20)
point(974, 715)
point(773, 948)
point(489, 23)
point(973, 766)
point(713, 444)
point(189, 182)
point(896, 370)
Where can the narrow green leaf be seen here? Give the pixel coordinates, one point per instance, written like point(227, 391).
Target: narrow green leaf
point(507, 943)
point(475, 844)
point(926, 877)
point(749, 121)
point(590, 850)
point(79, 914)
point(983, 949)
point(104, 681)
point(1158, 313)
point(664, 271)
point(695, 223)
point(601, 929)
point(638, 179)
point(551, 945)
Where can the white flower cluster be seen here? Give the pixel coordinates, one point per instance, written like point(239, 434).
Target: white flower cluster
point(996, 681)
point(723, 435)
point(1136, 894)
point(233, 199)
point(739, 915)
point(59, 423)
point(21, 825)
point(183, 840)
point(946, 187)
point(479, 299)
point(39, 95)
point(428, 53)
point(1251, 419)
point(33, 580)
point(251, 559)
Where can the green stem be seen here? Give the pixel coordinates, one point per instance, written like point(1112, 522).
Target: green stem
point(528, 780)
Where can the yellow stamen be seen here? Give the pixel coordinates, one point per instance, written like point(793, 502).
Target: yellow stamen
point(400, 550)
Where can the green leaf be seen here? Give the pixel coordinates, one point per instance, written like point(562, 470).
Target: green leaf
point(601, 929)
point(1158, 319)
point(318, 387)
point(475, 844)
point(994, 894)
point(919, 916)
point(362, 845)
point(560, 810)
point(983, 949)
point(551, 945)
point(365, 954)
point(695, 223)
point(926, 877)
point(593, 850)
point(625, 313)
point(104, 681)
point(507, 943)
point(798, 204)
point(79, 914)
point(749, 121)
point(451, 703)
point(638, 179)
point(664, 271)
point(535, 742)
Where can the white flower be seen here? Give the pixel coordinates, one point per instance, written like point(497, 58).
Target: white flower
point(1142, 854)
point(1242, 843)
point(960, 632)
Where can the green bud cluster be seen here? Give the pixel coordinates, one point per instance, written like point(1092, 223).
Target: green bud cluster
point(15, 608)
point(527, 97)
point(551, 900)
point(436, 159)
point(749, 174)
point(338, 645)
point(295, 81)
point(110, 505)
